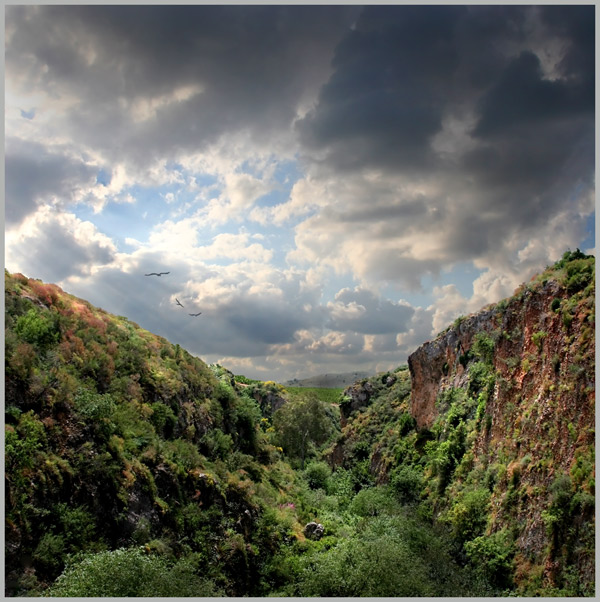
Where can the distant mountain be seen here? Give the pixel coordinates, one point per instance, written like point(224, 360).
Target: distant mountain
point(328, 381)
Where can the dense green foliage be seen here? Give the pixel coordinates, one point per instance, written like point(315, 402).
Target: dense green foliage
point(480, 491)
point(300, 425)
point(134, 469)
point(116, 438)
point(130, 572)
point(374, 547)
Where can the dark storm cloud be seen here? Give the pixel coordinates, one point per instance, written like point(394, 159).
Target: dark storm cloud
point(536, 134)
point(396, 75)
point(537, 161)
point(480, 40)
point(385, 99)
point(522, 97)
point(384, 212)
point(575, 25)
point(518, 79)
point(251, 63)
point(36, 176)
point(403, 69)
point(265, 322)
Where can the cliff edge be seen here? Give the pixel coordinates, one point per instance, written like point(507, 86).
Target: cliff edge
point(528, 364)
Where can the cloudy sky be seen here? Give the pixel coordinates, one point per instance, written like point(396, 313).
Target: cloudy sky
point(329, 185)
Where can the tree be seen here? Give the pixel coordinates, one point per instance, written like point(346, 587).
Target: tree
point(129, 572)
point(37, 329)
point(300, 423)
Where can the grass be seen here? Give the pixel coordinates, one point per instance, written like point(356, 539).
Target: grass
point(324, 394)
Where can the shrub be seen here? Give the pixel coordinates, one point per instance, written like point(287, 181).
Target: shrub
point(407, 483)
point(301, 423)
point(569, 256)
point(247, 418)
point(163, 419)
point(493, 556)
point(480, 375)
point(483, 347)
point(37, 329)
point(374, 571)
point(217, 444)
point(78, 526)
point(538, 338)
point(579, 274)
point(567, 318)
point(316, 474)
point(94, 407)
point(128, 572)
point(368, 563)
point(184, 454)
point(372, 502)
point(557, 514)
point(49, 552)
point(341, 484)
point(22, 443)
point(444, 456)
point(468, 515)
point(406, 423)
point(454, 397)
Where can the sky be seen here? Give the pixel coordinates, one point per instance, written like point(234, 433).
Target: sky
point(331, 186)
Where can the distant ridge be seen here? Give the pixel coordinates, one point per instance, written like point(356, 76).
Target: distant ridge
point(328, 381)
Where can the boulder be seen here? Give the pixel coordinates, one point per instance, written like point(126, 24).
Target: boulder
point(314, 530)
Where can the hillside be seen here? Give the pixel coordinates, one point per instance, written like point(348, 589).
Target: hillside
point(491, 432)
point(116, 438)
point(134, 469)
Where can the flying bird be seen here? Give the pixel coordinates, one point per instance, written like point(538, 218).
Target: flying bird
point(159, 274)
point(178, 303)
point(196, 314)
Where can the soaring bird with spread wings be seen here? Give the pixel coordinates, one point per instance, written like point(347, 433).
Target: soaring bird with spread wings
point(178, 303)
point(159, 274)
point(195, 315)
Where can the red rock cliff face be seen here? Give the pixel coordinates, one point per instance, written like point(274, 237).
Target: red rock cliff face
point(540, 418)
point(436, 366)
point(535, 351)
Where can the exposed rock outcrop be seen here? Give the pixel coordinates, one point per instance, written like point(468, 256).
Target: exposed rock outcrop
point(356, 397)
point(539, 420)
point(440, 364)
point(314, 530)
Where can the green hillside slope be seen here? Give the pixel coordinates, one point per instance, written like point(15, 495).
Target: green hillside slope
point(116, 438)
point(134, 469)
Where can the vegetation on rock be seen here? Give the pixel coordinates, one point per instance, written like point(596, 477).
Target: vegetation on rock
point(132, 468)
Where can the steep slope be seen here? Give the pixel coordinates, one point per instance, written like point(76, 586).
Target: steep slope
point(496, 441)
point(116, 438)
point(539, 416)
point(146, 472)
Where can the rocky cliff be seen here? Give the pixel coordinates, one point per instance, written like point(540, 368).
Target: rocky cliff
point(537, 414)
point(490, 433)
